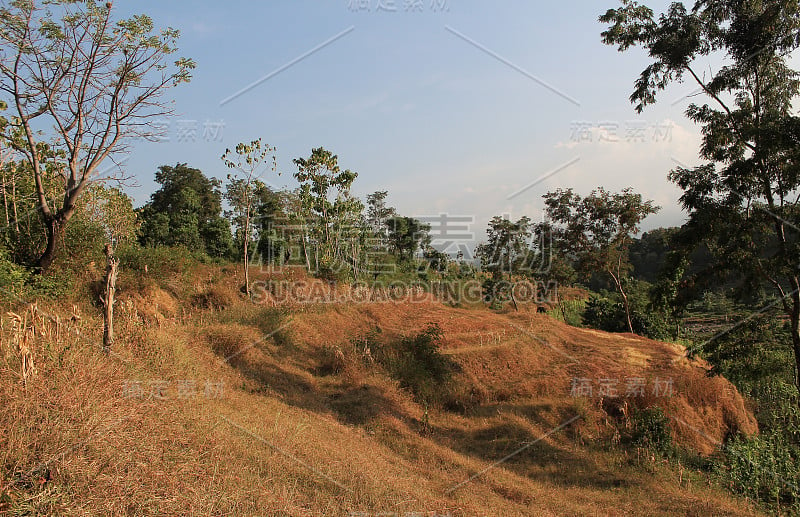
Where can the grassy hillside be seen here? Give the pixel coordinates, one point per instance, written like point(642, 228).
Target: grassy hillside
point(210, 405)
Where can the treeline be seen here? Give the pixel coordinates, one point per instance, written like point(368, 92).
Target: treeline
point(318, 225)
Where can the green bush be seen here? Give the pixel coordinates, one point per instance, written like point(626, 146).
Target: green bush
point(569, 311)
point(603, 313)
point(12, 276)
point(497, 293)
point(419, 365)
point(764, 468)
point(334, 271)
point(650, 429)
point(757, 357)
point(607, 312)
point(19, 283)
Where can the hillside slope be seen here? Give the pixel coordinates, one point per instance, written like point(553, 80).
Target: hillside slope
point(212, 406)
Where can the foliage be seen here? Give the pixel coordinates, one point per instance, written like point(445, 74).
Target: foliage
point(186, 211)
point(742, 202)
point(103, 215)
point(246, 193)
point(507, 250)
point(12, 276)
point(111, 210)
point(649, 253)
point(765, 468)
point(756, 356)
point(668, 295)
point(331, 215)
point(418, 364)
point(438, 261)
point(18, 283)
point(378, 212)
point(603, 313)
point(81, 85)
point(570, 312)
point(265, 212)
point(607, 312)
point(156, 263)
point(506, 255)
point(596, 231)
point(271, 226)
point(650, 429)
point(22, 233)
point(407, 236)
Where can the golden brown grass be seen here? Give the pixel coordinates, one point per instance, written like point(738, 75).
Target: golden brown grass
point(305, 424)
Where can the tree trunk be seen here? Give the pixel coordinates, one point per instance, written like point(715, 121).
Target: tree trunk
point(511, 292)
point(54, 231)
point(5, 198)
point(247, 253)
point(246, 270)
point(560, 304)
point(618, 282)
point(112, 268)
point(796, 345)
point(794, 324)
point(14, 201)
point(305, 250)
point(627, 309)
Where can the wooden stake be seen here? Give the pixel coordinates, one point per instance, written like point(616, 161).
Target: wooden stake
point(108, 301)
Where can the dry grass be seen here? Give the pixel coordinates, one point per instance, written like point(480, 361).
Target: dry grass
point(299, 421)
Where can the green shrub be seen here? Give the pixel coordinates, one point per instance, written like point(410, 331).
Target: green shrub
point(569, 311)
point(18, 282)
point(603, 313)
point(757, 357)
point(607, 312)
point(764, 468)
point(419, 365)
point(650, 429)
point(12, 276)
point(335, 271)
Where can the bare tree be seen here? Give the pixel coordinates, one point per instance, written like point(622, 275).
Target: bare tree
point(80, 86)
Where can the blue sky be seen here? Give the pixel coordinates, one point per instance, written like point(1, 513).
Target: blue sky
point(414, 102)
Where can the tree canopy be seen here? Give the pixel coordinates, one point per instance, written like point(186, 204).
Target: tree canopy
point(80, 85)
point(743, 202)
point(186, 211)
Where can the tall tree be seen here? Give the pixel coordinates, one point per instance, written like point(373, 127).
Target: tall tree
point(506, 254)
point(378, 211)
point(743, 202)
point(186, 211)
point(407, 236)
point(333, 213)
point(82, 85)
point(251, 161)
point(596, 231)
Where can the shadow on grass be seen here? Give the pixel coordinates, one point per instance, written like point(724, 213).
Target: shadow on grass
point(531, 456)
point(351, 405)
